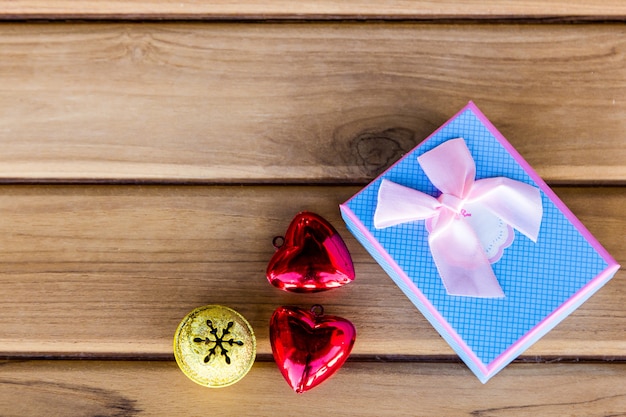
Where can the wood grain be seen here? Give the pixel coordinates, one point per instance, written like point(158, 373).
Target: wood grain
point(322, 9)
point(87, 388)
point(111, 270)
point(267, 119)
point(316, 102)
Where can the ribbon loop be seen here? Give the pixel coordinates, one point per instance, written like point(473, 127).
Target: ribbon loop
point(399, 204)
point(459, 256)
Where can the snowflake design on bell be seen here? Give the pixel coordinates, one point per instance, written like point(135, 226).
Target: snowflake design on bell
point(219, 341)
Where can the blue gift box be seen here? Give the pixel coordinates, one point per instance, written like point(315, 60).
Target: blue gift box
point(543, 281)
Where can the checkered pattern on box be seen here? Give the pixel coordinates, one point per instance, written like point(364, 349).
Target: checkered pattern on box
point(536, 277)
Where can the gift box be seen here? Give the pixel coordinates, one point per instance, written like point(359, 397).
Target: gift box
point(478, 242)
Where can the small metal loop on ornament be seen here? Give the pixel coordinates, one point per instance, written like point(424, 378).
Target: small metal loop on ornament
point(317, 310)
point(278, 241)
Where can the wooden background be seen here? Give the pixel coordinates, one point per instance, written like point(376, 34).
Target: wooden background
point(151, 150)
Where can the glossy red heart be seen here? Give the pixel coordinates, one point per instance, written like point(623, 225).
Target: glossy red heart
point(312, 258)
point(308, 346)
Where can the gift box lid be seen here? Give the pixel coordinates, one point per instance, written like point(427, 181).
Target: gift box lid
point(542, 281)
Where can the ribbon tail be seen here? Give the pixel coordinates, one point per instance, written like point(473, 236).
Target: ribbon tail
point(462, 262)
point(399, 204)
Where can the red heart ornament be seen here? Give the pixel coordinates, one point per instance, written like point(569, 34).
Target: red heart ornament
point(308, 346)
point(312, 258)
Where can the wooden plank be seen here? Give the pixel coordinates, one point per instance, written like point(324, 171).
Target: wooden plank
point(322, 9)
point(87, 388)
point(319, 102)
point(111, 270)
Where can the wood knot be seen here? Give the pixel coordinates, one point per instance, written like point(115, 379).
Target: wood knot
point(377, 150)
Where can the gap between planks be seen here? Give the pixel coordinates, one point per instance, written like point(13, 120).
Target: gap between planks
point(308, 10)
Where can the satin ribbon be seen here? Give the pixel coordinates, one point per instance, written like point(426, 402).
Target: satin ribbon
point(454, 245)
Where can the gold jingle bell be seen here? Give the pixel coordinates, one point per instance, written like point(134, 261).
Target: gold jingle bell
point(214, 346)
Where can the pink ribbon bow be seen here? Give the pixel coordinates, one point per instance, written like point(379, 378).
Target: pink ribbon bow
point(454, 245)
